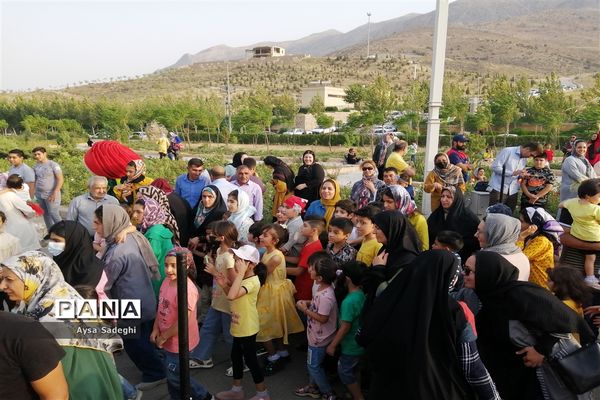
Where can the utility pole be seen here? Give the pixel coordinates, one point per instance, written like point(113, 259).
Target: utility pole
point(228, 101)
point(435, 96)
point(368, 34)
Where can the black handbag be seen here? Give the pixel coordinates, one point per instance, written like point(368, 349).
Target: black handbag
point(580, 370)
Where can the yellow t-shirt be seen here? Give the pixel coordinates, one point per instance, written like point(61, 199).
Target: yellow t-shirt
point(395, 160)
point(368, 250)
point(244, 315)
point(586, 220)
point(419, 222)
point(223, 262)
point(540, 253)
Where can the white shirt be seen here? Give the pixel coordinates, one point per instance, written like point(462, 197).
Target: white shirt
point(511, 158)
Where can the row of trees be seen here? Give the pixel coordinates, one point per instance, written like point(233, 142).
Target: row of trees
point(504, 102)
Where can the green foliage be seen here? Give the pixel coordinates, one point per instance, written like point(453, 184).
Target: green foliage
point(317, 105)
point(355, 94)
point(379, 101)
point(503, 102)
point(285, 108)
point(551, 106)
point(454, 103)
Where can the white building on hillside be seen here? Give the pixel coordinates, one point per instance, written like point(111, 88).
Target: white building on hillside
point(332, 96)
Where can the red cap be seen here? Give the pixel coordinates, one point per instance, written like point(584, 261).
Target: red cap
point(292, 201)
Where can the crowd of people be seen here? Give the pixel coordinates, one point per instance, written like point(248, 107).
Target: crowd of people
point(448, 306)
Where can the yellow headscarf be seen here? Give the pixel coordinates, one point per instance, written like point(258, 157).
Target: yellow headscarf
point(330, 204)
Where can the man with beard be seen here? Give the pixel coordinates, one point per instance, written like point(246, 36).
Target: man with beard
point(458, 157)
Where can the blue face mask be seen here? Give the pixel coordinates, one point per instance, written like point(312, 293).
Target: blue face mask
point(56, 248)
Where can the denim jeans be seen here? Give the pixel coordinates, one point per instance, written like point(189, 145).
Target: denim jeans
point(314, 362)
point(129, 391)
point(215, 323)
point(346, 367)
point(171, 365)
point(143, 353)
point(51, 214)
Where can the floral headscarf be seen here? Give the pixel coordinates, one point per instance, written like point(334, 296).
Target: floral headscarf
point(160, 196)
point(545, 223)
point(44, 284)
point(451, 175)
point(154, 214)
point(402, 199)
point(140, 170)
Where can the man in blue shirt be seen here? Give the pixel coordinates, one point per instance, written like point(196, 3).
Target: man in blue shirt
point(458, 157)
point(513, 161)
point(189, 186)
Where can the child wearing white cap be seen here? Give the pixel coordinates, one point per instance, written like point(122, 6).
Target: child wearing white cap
point(242, 295)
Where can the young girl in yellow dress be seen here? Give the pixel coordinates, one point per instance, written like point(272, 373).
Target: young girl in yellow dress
point(276, 309)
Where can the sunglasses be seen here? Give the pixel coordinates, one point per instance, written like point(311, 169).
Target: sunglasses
point(467, 271)
point(367, 169)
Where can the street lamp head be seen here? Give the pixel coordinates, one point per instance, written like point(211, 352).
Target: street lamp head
point(368, 14)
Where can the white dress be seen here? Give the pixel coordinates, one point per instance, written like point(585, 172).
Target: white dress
point(17, 220)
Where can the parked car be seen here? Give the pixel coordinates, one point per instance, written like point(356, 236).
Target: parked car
point(295, 131)
point(138, 136)
point(319, 130)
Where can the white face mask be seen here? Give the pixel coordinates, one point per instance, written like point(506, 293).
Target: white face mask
point(56, 248)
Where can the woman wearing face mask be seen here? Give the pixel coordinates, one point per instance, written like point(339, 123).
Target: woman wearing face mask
point(71, 247)
point(575, 169)
point(443, 175)
point(309, 178)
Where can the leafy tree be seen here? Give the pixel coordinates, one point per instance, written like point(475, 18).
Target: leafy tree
point(285, 108)
point(317, 106)
point(379, 100)
point(454, 103)
point(552, 106)
point(503, 103)
point(414, 104)
point(356, 94)
point(4, 125)
point(36, 124)
point(325, 121)
point(589, 117)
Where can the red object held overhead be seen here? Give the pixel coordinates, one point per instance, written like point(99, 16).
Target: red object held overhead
point(109, 158)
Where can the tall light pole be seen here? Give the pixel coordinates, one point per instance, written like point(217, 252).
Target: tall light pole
point(368, 34)
point(435, 92)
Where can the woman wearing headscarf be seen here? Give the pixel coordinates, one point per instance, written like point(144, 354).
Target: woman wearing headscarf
point(593, 152)
point(411, 333)
point(499, 233)
point(210, 208)
point(282, 180)
point(400, 247)
point(159, 234)
point(135, 178)
point(575, 169)
point(35, 282)
point(19, 221)
point(443, 175)
point(309, 178)
point(364, 191)
point(130, 267)
point(151, 192)
point(539, 240)
point(238, 204)
point(453, 215)
point(71, 246)
point(180, 209)
point(507, 304)
point(395, 197)
point(325, 206)
point(237, 160)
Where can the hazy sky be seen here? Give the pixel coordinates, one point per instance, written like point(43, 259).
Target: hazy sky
point(49, 43)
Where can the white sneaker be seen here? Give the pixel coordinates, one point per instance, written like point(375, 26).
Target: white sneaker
point(149, 385)
point(592, 281)
point(229, 371)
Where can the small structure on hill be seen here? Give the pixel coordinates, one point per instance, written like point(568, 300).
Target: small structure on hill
point(332, 96)
point(265, 51)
